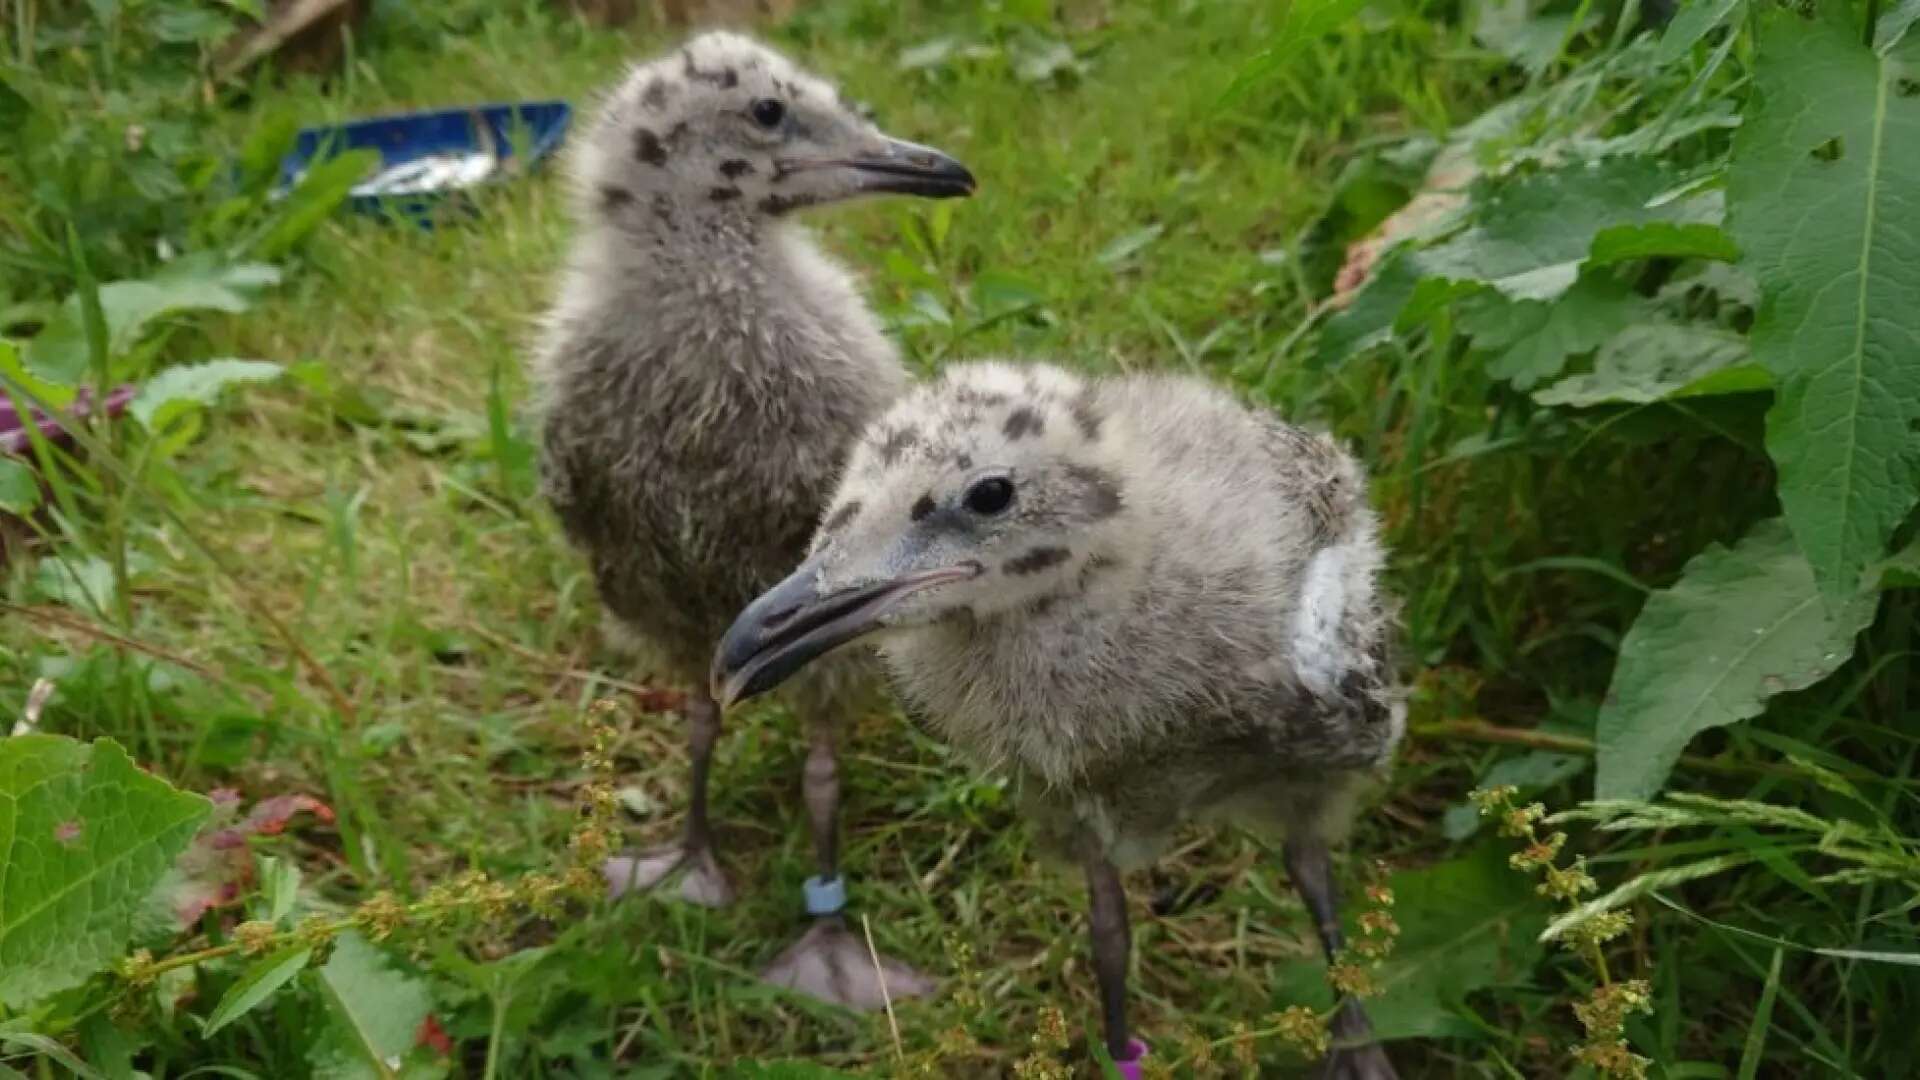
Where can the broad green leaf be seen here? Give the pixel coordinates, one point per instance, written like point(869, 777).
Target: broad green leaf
point(1661, 239)
point(1658, 361)
point(1893, 26)
point(1741, 625)
point(59, 352)
point(1823, 195)
point(374, 1012)
point(1530, 340)
point(1531, 232)
point(84, 833)
point(1464, 924)
point(188, 385)
point(259, 982)
point(19, 487)
point(1695, 20)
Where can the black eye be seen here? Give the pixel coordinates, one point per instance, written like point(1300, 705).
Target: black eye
point(768, 112)
point(990, 496)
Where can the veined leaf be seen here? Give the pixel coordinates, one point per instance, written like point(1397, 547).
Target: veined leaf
point(374, 1012)
point(188, 385)
point(1661, 239)
point(1464, 924)
point(1532, 232)
point(84, 833)
point(267, 975)
point(1741, 625)
point(1658, 361)
point(59, 352)
point(1531, 340)
point(1823, 193)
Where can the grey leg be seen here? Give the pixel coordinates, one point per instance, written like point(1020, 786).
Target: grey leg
point(703, 882)
point(1354, 1055)
point(1112, 943)
point(821, 788)
point(831, 961)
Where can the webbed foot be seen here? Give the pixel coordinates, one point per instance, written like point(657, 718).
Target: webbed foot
point(702, 881)
point(832, 963)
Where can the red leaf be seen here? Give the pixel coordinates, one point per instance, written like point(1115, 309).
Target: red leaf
point(433, 1035)
point(217, 867)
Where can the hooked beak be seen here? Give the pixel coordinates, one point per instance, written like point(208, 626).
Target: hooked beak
point(899, 167)
point(791, 625)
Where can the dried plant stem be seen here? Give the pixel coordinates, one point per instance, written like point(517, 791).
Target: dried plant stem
point(1482, 731)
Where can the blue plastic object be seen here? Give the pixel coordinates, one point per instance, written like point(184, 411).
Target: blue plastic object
point(529, 131)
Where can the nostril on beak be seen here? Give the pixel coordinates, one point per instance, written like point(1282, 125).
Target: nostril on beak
point(922, 161)
point(773, 621)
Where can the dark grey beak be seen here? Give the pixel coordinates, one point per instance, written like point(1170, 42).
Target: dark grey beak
point(792, 624)
point(911, 169)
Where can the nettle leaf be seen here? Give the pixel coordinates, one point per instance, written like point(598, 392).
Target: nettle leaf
point(1464, 924)
point(1531, 232)
point(1823, 193)
point(85, 834)
point(1741, 625)
point(1529, 237)
point(1531, 340)
point(374, 1012)
point(182, 389)
point(1661, 239)
point(1658, 361)
point(59, 352)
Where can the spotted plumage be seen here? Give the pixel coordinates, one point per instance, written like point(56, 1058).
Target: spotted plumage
point(704, 369)
point(1145, 602)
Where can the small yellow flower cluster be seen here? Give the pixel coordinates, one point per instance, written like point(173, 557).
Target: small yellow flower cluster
point(1604, 1012)
point(383, 914)
point(137, 967)
point(1604, 1015)
point(1304, 1030)
point(255, 936)
point(1049, 1039)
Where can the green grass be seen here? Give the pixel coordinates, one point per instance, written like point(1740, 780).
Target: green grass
point(391, 522)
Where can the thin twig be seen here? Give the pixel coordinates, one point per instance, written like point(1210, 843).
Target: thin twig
point(1481, 731)
point(118, 640)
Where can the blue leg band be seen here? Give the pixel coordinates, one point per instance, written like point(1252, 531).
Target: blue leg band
point(826, 896)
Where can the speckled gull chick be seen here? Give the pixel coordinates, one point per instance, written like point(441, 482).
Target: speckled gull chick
point(1148, 603)
point(703, 372)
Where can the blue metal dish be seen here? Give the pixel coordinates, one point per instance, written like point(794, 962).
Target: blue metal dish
point(428, 159)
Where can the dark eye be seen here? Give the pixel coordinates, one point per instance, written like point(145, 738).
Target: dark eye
point(767, 112)
point(990, 496)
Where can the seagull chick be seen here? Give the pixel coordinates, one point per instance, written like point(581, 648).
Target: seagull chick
point(703, 372)
point(1148, 603)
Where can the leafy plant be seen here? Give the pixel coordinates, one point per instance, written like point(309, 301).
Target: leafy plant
point(1590, 200)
